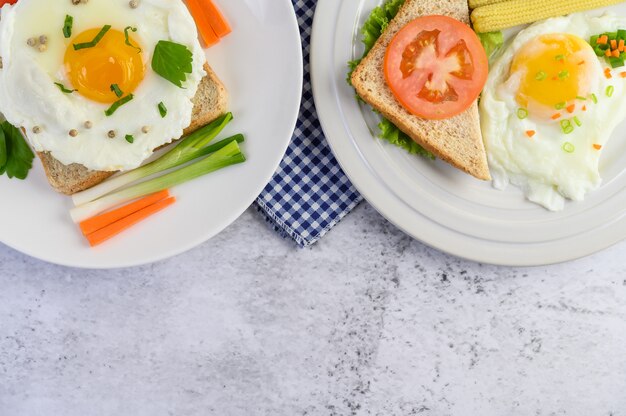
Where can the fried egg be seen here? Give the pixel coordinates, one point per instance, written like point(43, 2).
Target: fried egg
point(60, 94)
point(549, 107)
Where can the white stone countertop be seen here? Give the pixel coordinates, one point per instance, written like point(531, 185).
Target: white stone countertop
point(366, 322)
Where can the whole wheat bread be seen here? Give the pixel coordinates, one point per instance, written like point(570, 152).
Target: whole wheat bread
point(457, 140)
point(210, 102)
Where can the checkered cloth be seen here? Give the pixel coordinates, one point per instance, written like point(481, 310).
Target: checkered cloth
point(309, 193)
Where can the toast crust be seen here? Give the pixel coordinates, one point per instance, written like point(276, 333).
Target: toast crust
point(457, 140)
point(210, 102)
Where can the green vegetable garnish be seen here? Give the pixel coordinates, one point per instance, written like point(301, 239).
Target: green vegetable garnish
point(568, 147)
point(566, 126)
point(126, 36)
point(172, 61)
point(189, 148)
point(372, 30)
point(129, 138)
point(67, 27)
point(116, 89)
point(94, 42)
point(522, 113)
point(577, 121)
point(560, 57)
point(541, 76)
point(109, 112)
point(563, 75)
point(594, 98)
point(491, 41)
point(609, 91)
point(16, 158)
point(581, 98)
point(560, 106)
point(63, 88)
point(162, 109)
point(194, 146)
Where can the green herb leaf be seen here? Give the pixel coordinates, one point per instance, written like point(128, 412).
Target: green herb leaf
point(392, 134)
point(162, 109)
point(109, 112)
point(63, 88)
point(19, 157)
point(67, 27)
point(129, 138)
point(116, 89)
point(94, 42)
point(491, 41)
point(172, 61)
point(127, 37)
point(3, 151)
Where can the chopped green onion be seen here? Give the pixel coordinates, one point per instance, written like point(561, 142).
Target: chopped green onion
point(94, 42)
point(127, 38)
point(581, 98)
point(568, 147)
point(609, 91)
point(227, 156)
point(565, 123)
point(563, 75)
point(560, 57)
point(129, 138)
point(522, 113)
point(67, 26)
point(63, 89)
point(162, 109)
point(594, 98)
point(577, 121)
point(116, 89)
point(541, 75)
point(109, 112)
point(568, 129)
point(189, 148)
point(560, 106)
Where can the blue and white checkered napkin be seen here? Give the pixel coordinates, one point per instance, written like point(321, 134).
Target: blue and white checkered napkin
point(309, 193)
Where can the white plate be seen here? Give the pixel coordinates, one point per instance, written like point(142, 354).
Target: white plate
point(435, 203)
point(261, 64)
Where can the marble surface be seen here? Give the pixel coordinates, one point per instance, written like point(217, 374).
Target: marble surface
point(367, 322)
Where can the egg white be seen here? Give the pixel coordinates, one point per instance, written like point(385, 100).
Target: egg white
point(29, 97)
point(539, 166)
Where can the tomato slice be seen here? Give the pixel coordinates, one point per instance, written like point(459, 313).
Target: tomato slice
point(3, 2)
point(436, 67)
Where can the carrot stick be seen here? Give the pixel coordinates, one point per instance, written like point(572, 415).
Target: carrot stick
point(100, 221)
point(215, 18)
point(207, 33)
point(117, 227)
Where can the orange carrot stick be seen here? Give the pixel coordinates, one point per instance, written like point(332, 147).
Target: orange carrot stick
point(602, 40)
point(100, 221)
point(215, 18)
point(207, 33)
point(117, 227)
point(613, 44)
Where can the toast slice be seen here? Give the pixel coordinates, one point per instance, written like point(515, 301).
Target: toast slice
point(210, 102)
point(457, 140)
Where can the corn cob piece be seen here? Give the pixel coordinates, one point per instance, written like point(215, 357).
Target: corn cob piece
point(498, 16)
point(477, 3)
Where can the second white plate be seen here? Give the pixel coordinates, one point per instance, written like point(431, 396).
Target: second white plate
point(435, 203)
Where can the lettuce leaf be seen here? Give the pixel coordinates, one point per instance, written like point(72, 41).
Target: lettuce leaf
point(17, 156)
point(492, 42)
point(373, 28)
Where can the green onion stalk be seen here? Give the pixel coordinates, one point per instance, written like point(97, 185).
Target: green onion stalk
point(226, 156)
point(191, 147)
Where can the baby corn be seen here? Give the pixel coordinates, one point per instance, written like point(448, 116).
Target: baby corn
point(477, 3)
point(498, 16)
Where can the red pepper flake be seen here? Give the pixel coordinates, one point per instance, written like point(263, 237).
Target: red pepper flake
point(556, 116)
point(597, 146)
point(581, 63)
point(530, 133)
point(622, 74)
point(570, 108)
point(584, 108)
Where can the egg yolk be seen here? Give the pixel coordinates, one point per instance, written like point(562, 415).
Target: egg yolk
point(554, 70)
point(92, 71)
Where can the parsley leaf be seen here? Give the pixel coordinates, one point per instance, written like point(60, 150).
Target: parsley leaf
point(172, 61)
point(67, 27)
point(162, 109)
point(19, 157)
